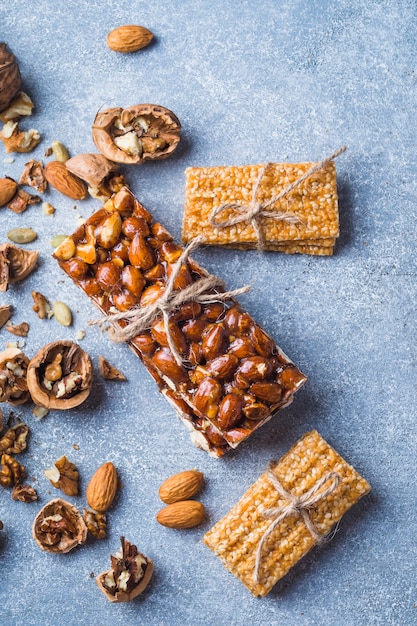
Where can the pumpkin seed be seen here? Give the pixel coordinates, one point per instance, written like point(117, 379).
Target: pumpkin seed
point(22, 235)
point(62, 313)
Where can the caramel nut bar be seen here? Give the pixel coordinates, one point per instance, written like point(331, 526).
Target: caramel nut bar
point(235, 538)
point(314, 203)
point(233, 377)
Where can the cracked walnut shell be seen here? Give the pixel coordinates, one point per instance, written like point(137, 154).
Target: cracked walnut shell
point(138, 133)
point(59, 527)
point(15, 264)
point(10, 78)
point(60, 375)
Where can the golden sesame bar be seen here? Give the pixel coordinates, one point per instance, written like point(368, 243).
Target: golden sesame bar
point(234, 539)
point(230, 377)
point(314, 203)
point(289, 248)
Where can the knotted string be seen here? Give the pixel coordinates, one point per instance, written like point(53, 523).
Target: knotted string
point(296, 505)
point(141, 318)
point(255, 211)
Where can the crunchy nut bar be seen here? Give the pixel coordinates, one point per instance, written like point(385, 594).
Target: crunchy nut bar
point(234, 539)
point(233, 378)
point(314, 202)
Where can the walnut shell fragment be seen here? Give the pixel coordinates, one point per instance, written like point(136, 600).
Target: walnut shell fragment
point(59, 527)
point(15, 264)
point(60, 375)
point(138, 133)
point(5, 315)
point(13, 377)
point(10, 78)
point(108, 371)
point(98, 172)
point(21, 200)
point(34, 176)
point(130, 574)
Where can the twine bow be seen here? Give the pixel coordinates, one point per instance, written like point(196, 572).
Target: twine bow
point(141, 318)
point(255, 211)
point(297, 505)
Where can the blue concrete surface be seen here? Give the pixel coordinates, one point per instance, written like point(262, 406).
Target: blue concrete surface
point(251, 82)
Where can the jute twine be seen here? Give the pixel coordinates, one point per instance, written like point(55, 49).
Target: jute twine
point(255, 211)
point(297, 505)
point(206, 290)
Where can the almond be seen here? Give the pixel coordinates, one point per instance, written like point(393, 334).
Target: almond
point(185, 514)
point(181, 486)
point(129, 38)
point(8, 188)
point(102, 488)
point(59, 177)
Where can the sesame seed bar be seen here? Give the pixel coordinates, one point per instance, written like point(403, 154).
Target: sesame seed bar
point(234, 539)
point(314, 202)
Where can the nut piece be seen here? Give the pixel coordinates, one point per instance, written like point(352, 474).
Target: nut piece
point(96, 523)
point(22, 235)
point(13, 440)
point(98, 172)
point(108, 371)
point(136, 134)
point(41, 305)
point(11, 472)
point(60, 375)
point(5, 313)
point(21, 330)
point(21, 200)
point(33, 175)
point(10, 78)
point(182, 486)
point(184, 514)
point(13, 377)
point(19, 141)
point(59, 527)
point(15, 264)
point(59, 177)
point(59, 151)
point(64, 476)
point(21, 105)
point(129, 38)
point(62, 313)
point(24, 493)
point(102, 488)
point(130, 574)
point(8, 188)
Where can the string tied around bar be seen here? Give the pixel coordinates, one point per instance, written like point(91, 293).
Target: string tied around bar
point(295, 505)
point(207, 289)
point(254, 211)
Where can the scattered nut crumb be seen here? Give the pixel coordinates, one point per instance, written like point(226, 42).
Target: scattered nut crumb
point(33, 175)
point(41, 305)
point(8, 160)
point(21, 330)
point(47, 208)
point(79, 335)
point(108, 371)
point(39, 412)
point(75, 446)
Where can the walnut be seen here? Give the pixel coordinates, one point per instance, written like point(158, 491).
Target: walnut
point(41, 305)
point(5, 314)
point(34, 176)
point(19, 106)
point(21, 200)
point(108, 371)
point(13, 441)
point(136, 134)
point(21, 330)
point(60, 375)
point(11, 472)
point(10, 78)
point(13, 373)
point(129, 576)
point(16, 140)
point(24, 493)
point(96, 171)
point(59, 527)
point(64, 476)
point(15, 264)
point(96, 523)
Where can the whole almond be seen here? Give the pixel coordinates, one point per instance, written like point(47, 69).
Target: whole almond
point(102, 488)
point(184, 514)
point(8, 188)
point(129, 38)
point(59, 177)
point(182, 486)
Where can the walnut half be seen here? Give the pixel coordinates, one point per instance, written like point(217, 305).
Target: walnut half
point(60, 375)
point(129, 576)
point(59, 527)
point(138, 133)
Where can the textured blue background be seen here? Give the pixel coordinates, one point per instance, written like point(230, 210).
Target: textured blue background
point(251, 82)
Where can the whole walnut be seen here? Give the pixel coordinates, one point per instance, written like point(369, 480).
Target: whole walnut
point(10, 78)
